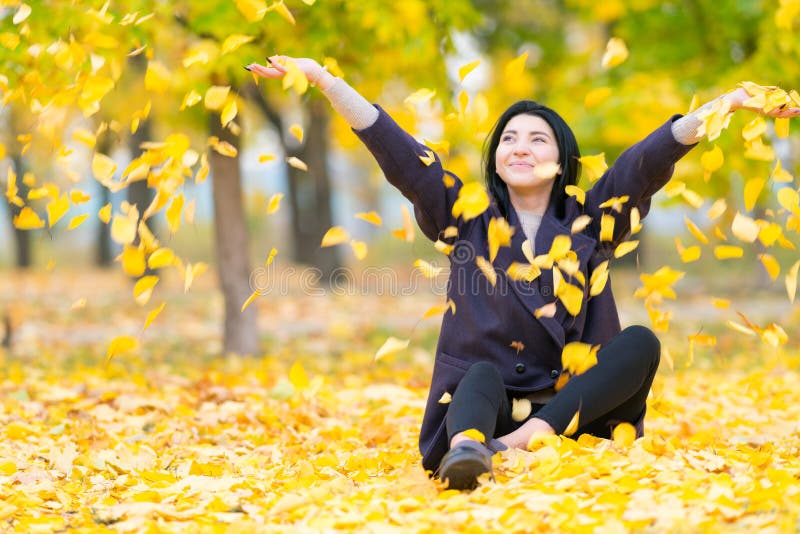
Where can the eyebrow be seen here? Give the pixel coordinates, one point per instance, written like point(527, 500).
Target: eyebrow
point(533, 132)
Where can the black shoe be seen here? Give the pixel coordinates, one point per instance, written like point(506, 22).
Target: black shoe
point(464, 463)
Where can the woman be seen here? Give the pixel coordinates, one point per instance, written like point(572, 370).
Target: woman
point(498, 346)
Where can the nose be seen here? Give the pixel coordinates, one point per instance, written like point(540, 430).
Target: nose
point(521, 147)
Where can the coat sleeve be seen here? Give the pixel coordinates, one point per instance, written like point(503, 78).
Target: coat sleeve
point(398, 155)
point(638, 173)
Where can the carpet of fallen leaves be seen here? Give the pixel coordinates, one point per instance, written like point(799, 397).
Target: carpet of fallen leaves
point(317, 436)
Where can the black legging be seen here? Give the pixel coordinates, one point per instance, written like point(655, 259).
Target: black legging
point(612, 391)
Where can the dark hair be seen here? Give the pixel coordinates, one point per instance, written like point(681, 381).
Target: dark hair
point(568, 154)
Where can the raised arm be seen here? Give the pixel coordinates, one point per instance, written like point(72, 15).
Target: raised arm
point(408, 165)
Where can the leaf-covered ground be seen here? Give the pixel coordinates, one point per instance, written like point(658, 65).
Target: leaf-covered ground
point(316, 436)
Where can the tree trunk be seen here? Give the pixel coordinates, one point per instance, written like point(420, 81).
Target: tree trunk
point(138, 193)
point(104, 255)
point(22, 238)
point(310, 195)
point(230, 234)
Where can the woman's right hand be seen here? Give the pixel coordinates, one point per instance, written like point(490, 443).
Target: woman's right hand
point(315, 73)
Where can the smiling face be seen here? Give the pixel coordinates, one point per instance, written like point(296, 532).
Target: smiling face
point(526, 141)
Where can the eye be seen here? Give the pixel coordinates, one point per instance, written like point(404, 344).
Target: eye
point(539, 139)
point(506, 138)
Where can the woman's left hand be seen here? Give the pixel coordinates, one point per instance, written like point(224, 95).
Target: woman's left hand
point(738, 98)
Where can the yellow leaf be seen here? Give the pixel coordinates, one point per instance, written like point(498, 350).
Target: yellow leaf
point(606, 227)
point(782, 127)
point(712, 161)
point(721, 304)
point(253, 10)
point(514, 68)
point(428, 158)
point(571, 297)
point(578, 357)
point(715, 119)
point(596, 96)
point(297, 131)
point(28, 219)
point(191, 273)
point(573, 425)
point(717, 209)
point(143, 289)
point(335, 236)
point(745, 228)
point(594, 166)
point(527, 250)
point(548, 310)
point(466, 69)
point(725, 252)
point(791, 281)
point(294, 78)
point(263, 158)
point(487, 268)
point(472, 201)
point(788, 198)
point(371, 217)
point(121, 345)
point(250, 300)
point(216, 96)
point(577, 192)
point(157, 77)
point(190, 99)
point(105, 213)
point(274, 203)
point(624, 435)
point(84, 136)
point(754, 129)
point(56, 209)
point(297, 163)
point(284, 12)
point(232, 42)
point(160, 258)
point(771, 265)
point(271, 257)
point(616, 53)
point(132, 261)
point(560, 247)
point(407, 232)
point(690, 254)
point(696, 232)
point(103, 167)
point(229, 112)
point(740, 328)
point(523, 271)
point(499, 235)
point(752, 188)
point(446, 398)
point(546, 170)
point(624, 248)
point(419, 96)
point(781, 175)
point(298, 376)
point(152, 315)
point(520, 409)
point(598, 279)
point(77, 221)
point(439, 309)
point(22, 13)
point(474, 433)
point(580, 223)
point(173, 213)
point(428, 270)
point(757, 150)
point(391, 346)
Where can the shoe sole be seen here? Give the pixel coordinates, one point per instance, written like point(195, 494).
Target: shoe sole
point(463, 473)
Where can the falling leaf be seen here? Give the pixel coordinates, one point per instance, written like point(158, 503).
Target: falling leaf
point(580, 223)
point(104, 214)
point(336, 235)
point(232, 42)
point(56, 209)
point(263, 158)
point(573, 425)
point(297, 131)
point(407, 232)
point(298, 376)
point(370, 217)
point(791, 281)
point(173, 214)
point(103, 167)
point(160, 258)
point(132, 259)
point(253, 10)
point(726, 252)
point(752, 188)
point(596, 96)
point(472, 201)
point(250, 300)
point(636, 221)
point(121, 345)
point(523, 271)
point(419, 96)
point(712, 161)
point(520, 409)
point(788, 198)
point(745, 228)
point(781, 175)
point(216, 96)
point(487, 268)
point(428, 158)
point(274, 203)
point(229, 112)
point(499, 235)
point(157, 77)
point(548, 310)
point(283, 11)
point(606, 227)
point(577, 192)
point(616, 53)
point(771, 265)
point(717, 209)
point(391, 346)
point(466, 69)
point(77, 221)
point(428, 270)
point(190, 99)
point(594, 166)
point(514, 68)
point(191, 273)
point(22, 13)
point(623, 435)
point(578, 357)
point(624, 248)
point(696, 232)
point(152, 315)
point(271, 256)
point(143, 289)
point(28, 219)
point(446, 398)
point(297, 163)
point(294, 78)
point(598, 279)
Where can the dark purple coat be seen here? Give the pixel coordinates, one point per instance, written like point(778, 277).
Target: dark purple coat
point(488, 319)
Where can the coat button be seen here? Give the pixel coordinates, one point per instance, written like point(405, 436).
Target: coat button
point(554, 373)
point(520, 368)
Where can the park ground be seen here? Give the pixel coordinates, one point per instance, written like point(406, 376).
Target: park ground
point(315, 435)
